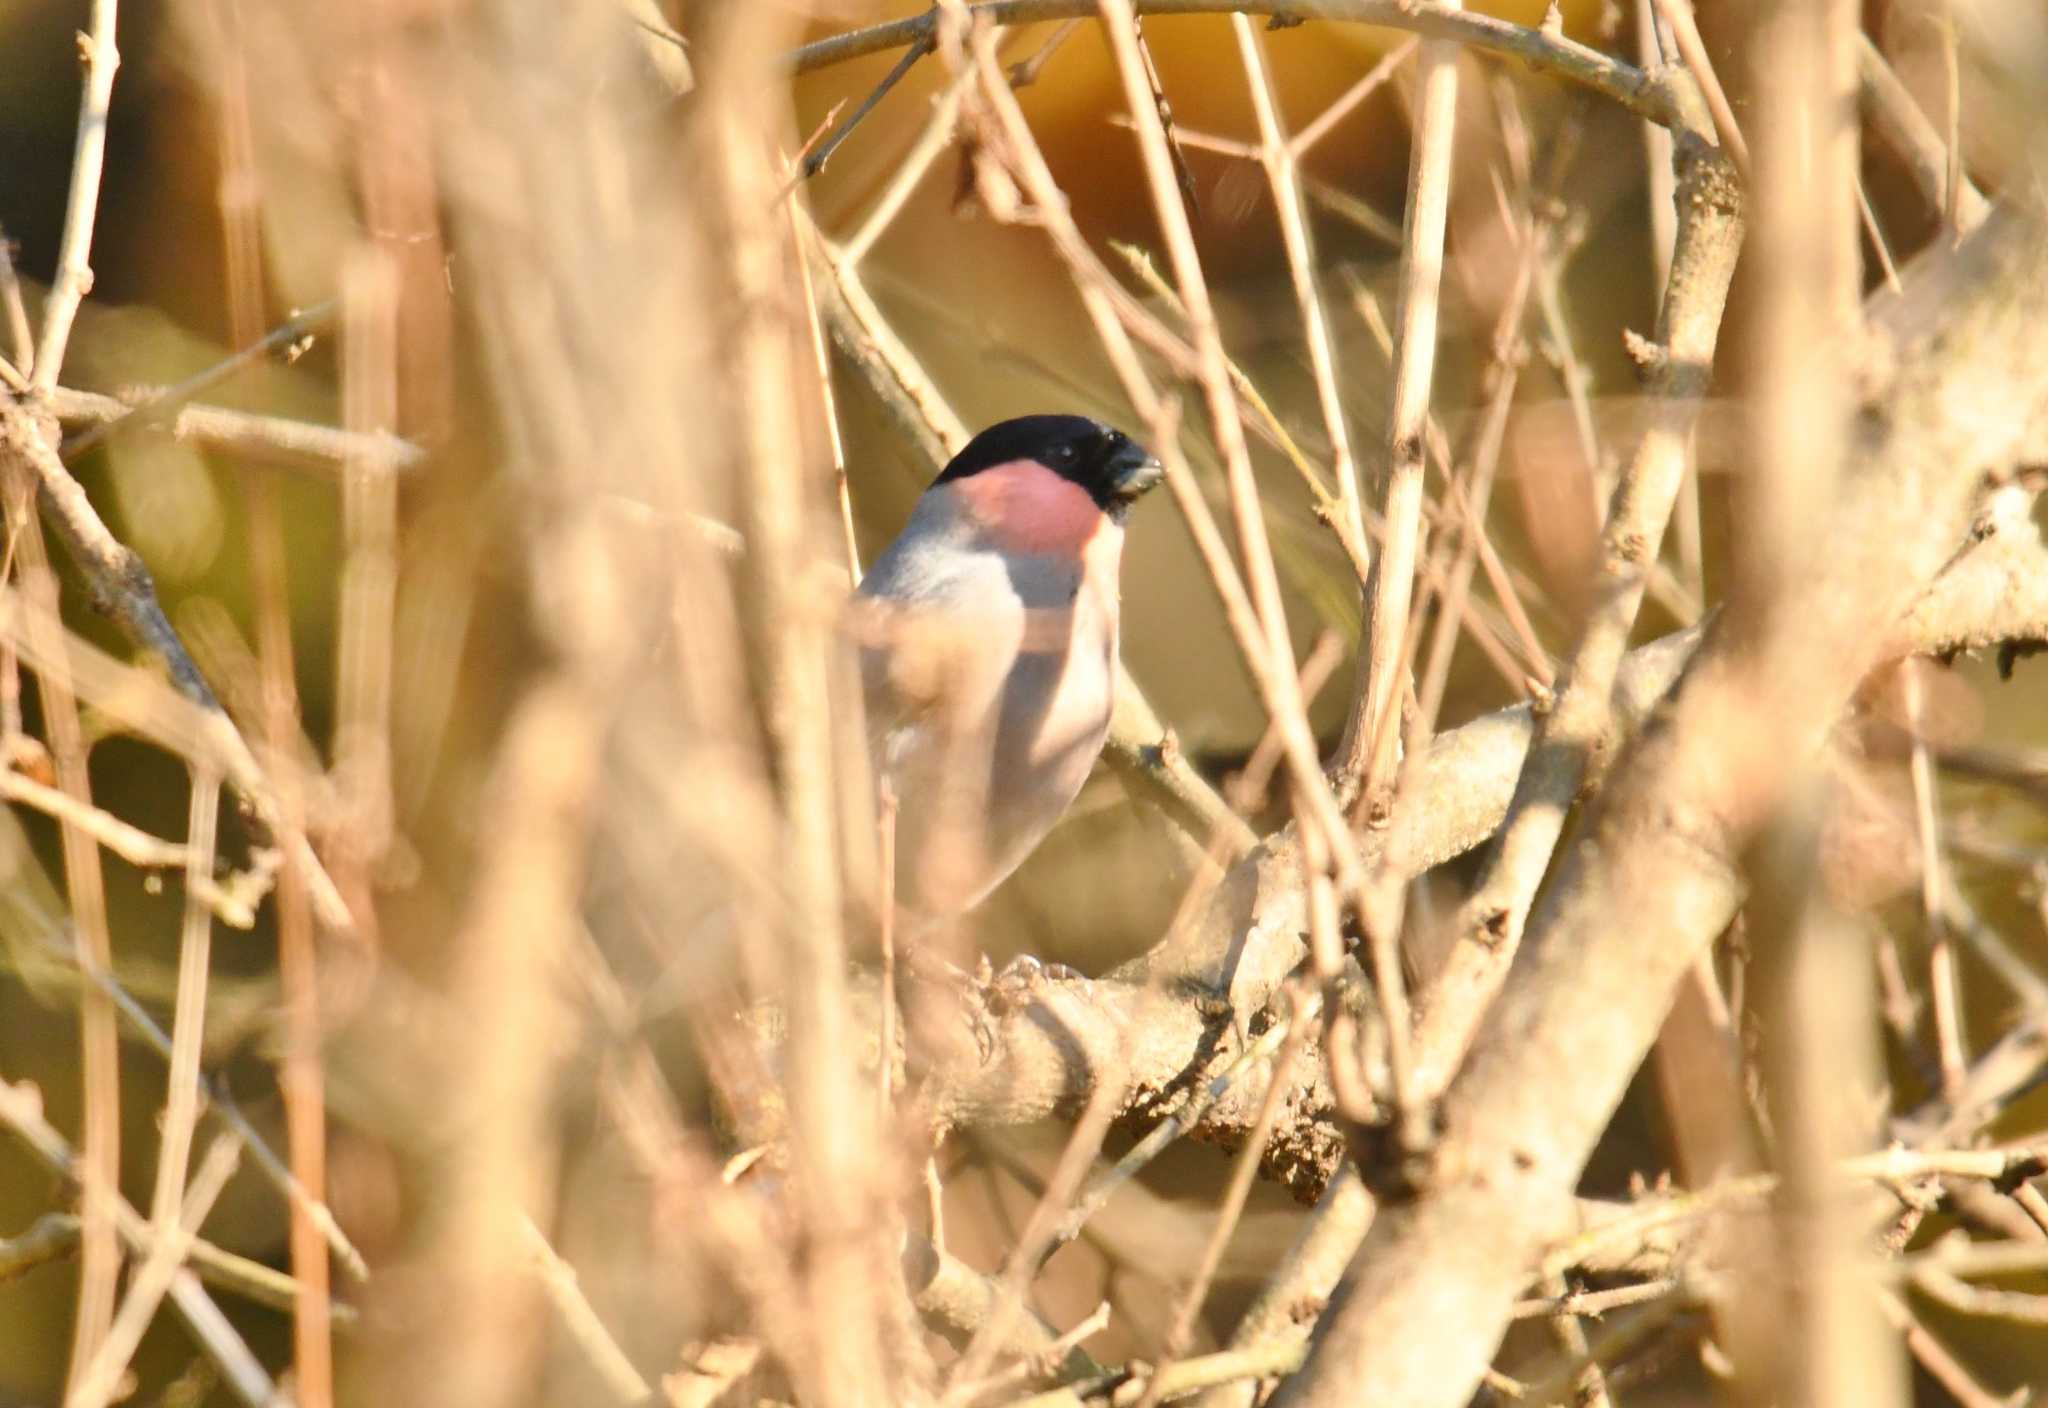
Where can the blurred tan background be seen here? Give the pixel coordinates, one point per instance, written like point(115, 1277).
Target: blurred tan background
point(991, 313)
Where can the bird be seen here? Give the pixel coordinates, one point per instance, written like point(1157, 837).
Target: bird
point(988, 649)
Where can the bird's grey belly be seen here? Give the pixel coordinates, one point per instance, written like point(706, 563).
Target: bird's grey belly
point(972, 808)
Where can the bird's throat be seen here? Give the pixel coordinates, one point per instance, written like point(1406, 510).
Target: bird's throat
point(1024, 507)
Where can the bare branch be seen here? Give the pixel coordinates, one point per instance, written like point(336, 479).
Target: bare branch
point(122, 584)
point(1648, 95)
point(74, 270)
point(1041, 1057)
point(231, 905)
point(291, 442)
point(1681, 365)
point(164, 404)
point(21, 1110)
point(584, 1326)
point(95, 1387)
point(1894, 113)
point(1422, 1307)
point(1366, 756)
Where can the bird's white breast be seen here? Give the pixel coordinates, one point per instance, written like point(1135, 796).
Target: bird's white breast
point(990, 682)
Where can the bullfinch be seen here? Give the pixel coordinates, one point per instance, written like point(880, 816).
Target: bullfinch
point(988, 634)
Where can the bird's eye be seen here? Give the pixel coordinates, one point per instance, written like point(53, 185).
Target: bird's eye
point(1063, 453)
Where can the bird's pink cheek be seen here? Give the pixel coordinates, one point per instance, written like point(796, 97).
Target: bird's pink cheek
point(1028, 508)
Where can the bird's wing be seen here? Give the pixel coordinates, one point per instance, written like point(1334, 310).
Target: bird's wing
point(939, 626)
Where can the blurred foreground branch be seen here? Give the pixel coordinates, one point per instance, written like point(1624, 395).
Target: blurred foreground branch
point(277, 438)
point(122, 585)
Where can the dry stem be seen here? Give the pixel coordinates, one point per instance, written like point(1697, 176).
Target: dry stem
point(1490, 923)
point(81, 210)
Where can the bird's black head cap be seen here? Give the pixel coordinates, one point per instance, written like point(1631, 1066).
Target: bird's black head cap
point(1112, 467)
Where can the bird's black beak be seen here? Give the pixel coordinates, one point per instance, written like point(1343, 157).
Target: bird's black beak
point(1131, 470)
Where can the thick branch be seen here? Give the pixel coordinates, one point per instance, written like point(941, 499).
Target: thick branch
point(1036, 1054)
point(1422, 1308)
point(1679, 370)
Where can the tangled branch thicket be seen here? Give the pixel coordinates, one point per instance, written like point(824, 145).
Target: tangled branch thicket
point(1570, 656)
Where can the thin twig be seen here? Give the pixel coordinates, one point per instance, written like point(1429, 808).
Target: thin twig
point(289, 442)
point(1565, 1382)
point(1038, 1363)
point(19, 333)
point(1490, 922)
point(21, 1110)
point(1347, 102)
point(1184, 1117)
point(81, 210)
point(232, 904)
point(1474, 495)
point(1178, 1380)
point(1365, 758)
point(958, 1300)
point(1951, 68)
point(1875, 232)
point(1160, 105)
point(558, 1278)
point(1941, 959)
point(1243, 1170)
point(290, 336)
point(814, 161)
point(172, 1243)
point(1596, 1303)
point(1285, 178)
point(932, 140)
point(99, 1262)
point(1025, 72)
point(123, 584)
point(1947, 1289)
point(216, 1101)
point(1898, 118)
point(1588, 1382)
point(1494, 637)
point(1678, 22)
point(188, 1025)
point(1662, 188)
point(1886, 1167)
point(54, 1236)
point(49, 1238)
point(1645, 94)
point(1271, 652)
point(1942, 1366)
point(1507, 585)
